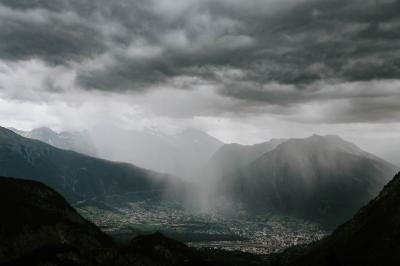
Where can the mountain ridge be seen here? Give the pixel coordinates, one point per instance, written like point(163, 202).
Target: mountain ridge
point(235, 153)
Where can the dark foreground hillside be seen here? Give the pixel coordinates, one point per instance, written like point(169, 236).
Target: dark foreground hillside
point(37, 225)
point(371, 237)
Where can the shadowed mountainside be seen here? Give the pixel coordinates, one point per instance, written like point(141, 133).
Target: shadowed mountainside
point(322, 178)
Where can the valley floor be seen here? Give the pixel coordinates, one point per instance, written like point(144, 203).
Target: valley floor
point(261, 234)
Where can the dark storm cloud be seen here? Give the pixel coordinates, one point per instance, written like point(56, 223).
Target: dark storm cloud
point(56, 38)
point(325, 39)
point(298, 42)
point(274, 52)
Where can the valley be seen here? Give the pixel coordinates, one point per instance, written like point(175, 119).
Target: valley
point(258, 234)
point(260, 199)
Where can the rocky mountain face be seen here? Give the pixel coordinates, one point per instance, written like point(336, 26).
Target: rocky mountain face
point(325, 179)
point(371, 237)
point(77, 177)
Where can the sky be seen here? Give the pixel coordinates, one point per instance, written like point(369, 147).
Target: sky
point(242, 71)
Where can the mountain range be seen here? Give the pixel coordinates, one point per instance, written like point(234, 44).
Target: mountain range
point(181, 154)
point(74, 141)
point(76, 176)
point(321, 178)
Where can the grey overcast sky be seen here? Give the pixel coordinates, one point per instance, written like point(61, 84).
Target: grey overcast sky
point(244, 71)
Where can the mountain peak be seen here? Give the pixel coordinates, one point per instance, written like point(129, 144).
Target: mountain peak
point(43, 130)
point(198, 138)
point(195, 133)
point(326, 137)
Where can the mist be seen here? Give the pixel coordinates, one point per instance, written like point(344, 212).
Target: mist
point(209, 167)
point(185, 155)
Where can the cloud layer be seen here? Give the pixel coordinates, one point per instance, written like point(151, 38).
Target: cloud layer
point(310, 61)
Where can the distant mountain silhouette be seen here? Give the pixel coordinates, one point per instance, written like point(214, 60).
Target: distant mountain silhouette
point(74, 141)
point(322, 178)
point(78, 177)
point(181, 154)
